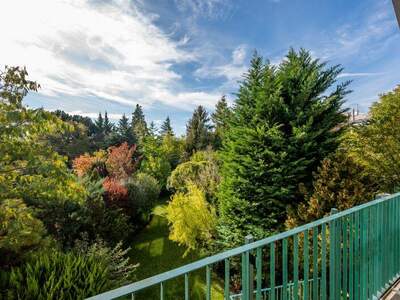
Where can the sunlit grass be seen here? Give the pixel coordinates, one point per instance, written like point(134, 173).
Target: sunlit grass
point(155, 253)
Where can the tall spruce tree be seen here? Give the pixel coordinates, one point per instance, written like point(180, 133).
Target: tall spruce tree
point(139, 125)
point(107, 125)
point(166, 128)
point(284, 123)
point(99, 124)
point(124, 131)
point(198, 131)
point(220, 118)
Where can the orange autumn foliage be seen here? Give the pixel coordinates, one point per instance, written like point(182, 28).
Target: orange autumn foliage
point(120, 163)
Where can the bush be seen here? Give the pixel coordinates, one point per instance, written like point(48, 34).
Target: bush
point(57, 276)
point(192, 219)
point(20, 232)
point(77, 274)
point(109, 223)
point(339, 183)
point(202, 169)
point(143, 193)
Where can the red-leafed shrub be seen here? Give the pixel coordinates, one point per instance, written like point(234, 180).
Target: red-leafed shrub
point(121, 163)
point(86, 163)
point(82, 164)
point(115, 192)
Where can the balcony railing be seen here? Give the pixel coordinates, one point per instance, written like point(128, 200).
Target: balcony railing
point(352, 254)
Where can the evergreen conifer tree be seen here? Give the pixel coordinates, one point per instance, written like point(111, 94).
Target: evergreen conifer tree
point(198, 131)
point(125, 133)
point(220, 118)
point(285, 122)
point(166, 128)
point(138, 124)
point(107, 125)
point(99, 124)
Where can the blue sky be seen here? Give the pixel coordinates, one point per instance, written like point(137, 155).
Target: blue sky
point(172, 55)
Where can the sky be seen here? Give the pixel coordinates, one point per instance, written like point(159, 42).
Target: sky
point(170, 56)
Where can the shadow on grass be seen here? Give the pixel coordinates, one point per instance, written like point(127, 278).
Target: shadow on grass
point(155, 253)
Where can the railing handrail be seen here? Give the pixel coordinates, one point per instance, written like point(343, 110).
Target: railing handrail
point(159, 278)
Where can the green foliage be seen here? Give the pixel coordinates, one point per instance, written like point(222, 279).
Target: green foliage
point(173, 149)
point(339, 183)
point(138, 124)
point(191, 218)
point(20, 232)
point(376, 145)
point(143, 194)
point(73, 275)
point(202, 169)
point(125, 132)
point(166, 128)
point(220, 118)
point(155, 161)
point(29, 168)
point(282, 126)
point(198, 131)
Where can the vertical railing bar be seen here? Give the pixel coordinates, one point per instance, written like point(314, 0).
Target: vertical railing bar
point(332, 257)
point(357, 258)
point(161, 290)
point(208, 282)
point(364, 268)
point(296, 267)
point(338, 252)
point(227, 280)
point(258, 272)
point(284, 269)
point(351, 257)
point(315, 264)
point(186, 286)
point(323, 262)
point(272, 271)
point(245, 276)
point(306, 265)
point(345, 251)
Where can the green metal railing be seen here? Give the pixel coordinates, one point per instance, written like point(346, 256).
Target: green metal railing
point(352, 254)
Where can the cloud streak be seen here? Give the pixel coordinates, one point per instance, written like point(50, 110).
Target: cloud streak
point(111, 51)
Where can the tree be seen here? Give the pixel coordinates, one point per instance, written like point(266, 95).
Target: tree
point(220, 118)
point(376, 145)
point(191, 218)
point(166, 128)
point(284, 123)
point(29, 168)
point(139, 125)
point(198, 131)
point(339, 183)
point(99, 124)
point(125, 132)
point(107, 125)
point(202, 170)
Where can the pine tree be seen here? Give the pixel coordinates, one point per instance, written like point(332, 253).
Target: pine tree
point(152, 129)
point(220, 118)
point(139, 125)
point(107, 125)
point(166, 128)
point(284, 123)
point(124, 131)
point(198, 131)
point(99, 124)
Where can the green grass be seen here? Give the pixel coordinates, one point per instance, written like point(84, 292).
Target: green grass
point(155, 253)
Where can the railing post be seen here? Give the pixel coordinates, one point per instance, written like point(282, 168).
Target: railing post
point(332, 256)
point(248, 271)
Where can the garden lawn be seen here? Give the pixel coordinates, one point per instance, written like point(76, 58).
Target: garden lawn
point(155, 253)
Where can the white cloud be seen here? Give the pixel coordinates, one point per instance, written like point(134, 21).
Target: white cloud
point(231, 71)
point(360, 74)
point(94, 115)
point(206, 8)
point(81, 48)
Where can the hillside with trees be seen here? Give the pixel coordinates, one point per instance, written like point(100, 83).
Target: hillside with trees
point(85, 204)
